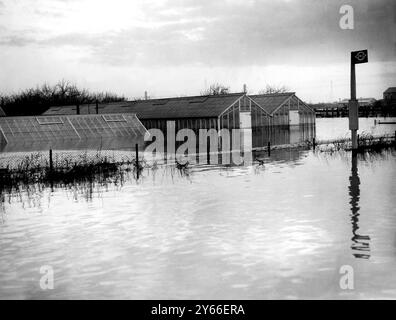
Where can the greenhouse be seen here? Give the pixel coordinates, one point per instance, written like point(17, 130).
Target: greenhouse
point(291, 120)
point(286, 108)
point(106, 131)
point(277, 118)
point(197, 112)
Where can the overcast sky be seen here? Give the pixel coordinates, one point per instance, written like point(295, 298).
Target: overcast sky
point(175, 47)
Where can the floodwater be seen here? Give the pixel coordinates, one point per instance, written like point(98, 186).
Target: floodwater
point(335, 128)
point(282, 229)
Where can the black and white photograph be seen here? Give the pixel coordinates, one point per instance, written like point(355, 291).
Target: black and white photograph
point(197, 150)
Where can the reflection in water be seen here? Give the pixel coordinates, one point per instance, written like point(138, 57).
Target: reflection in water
point(282, 135)
point(360, 246)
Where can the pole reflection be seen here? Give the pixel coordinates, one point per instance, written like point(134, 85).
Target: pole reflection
point(360, 243)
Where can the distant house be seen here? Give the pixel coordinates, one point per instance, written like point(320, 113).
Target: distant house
point(2, 113)
point(390, 96)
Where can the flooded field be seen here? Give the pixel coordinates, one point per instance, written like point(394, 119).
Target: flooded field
point(335, 128)
point(279, 228)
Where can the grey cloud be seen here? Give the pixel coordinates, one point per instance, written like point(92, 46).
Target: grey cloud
point(16, 41)
point(303, 33)
point(52, 13)
point(213, 33)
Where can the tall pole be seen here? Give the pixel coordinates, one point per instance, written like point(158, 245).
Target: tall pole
point(356, 57)
point(353, 109)
point(353, 81)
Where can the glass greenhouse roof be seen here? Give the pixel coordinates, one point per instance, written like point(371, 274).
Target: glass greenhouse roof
point(67, 131)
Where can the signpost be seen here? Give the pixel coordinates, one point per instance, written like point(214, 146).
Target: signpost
point(356, 58)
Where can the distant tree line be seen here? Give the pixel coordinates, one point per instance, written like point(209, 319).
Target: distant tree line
point(35, 101)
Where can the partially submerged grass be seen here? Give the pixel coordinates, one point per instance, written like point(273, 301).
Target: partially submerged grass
point(366, 143)
point(36, 169)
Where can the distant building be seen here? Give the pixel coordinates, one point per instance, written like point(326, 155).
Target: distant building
point(363, 102)
point(390, 96)
point(333, 109)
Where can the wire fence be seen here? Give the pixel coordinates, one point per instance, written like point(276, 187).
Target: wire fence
point(65, 158)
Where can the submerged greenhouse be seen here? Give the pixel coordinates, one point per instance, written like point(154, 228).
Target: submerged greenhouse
point(277, 118)
point(107, 131)
point(292, 120)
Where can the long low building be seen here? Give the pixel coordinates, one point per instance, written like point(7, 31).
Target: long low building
point(270, 115)
point(115, 131)
point(283, 109)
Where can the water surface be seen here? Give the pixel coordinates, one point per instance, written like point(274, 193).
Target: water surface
point(279, 230)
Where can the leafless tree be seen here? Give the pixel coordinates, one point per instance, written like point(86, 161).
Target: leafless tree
point(215, 89)
point(35, 101)
point(273, 89)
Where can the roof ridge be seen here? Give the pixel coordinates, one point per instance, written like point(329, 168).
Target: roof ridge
point(272, 94)
point(69, 115)
point(191, 97)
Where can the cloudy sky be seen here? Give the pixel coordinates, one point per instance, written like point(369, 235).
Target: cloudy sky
point(179, 47)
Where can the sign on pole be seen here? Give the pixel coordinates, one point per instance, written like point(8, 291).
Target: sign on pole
point(359, 56)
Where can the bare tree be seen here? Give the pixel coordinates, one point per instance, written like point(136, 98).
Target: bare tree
point(273, 89)
point(215, 89)
point(35, 101)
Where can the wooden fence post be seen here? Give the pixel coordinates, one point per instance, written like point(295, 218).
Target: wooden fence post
point(50, 161)
point(137, 155)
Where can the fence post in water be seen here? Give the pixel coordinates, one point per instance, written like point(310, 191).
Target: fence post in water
point(137, 155)
point(137, 160)
point(50, 161)
point(207, 152)
point(313, 143)
point(269, 148)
